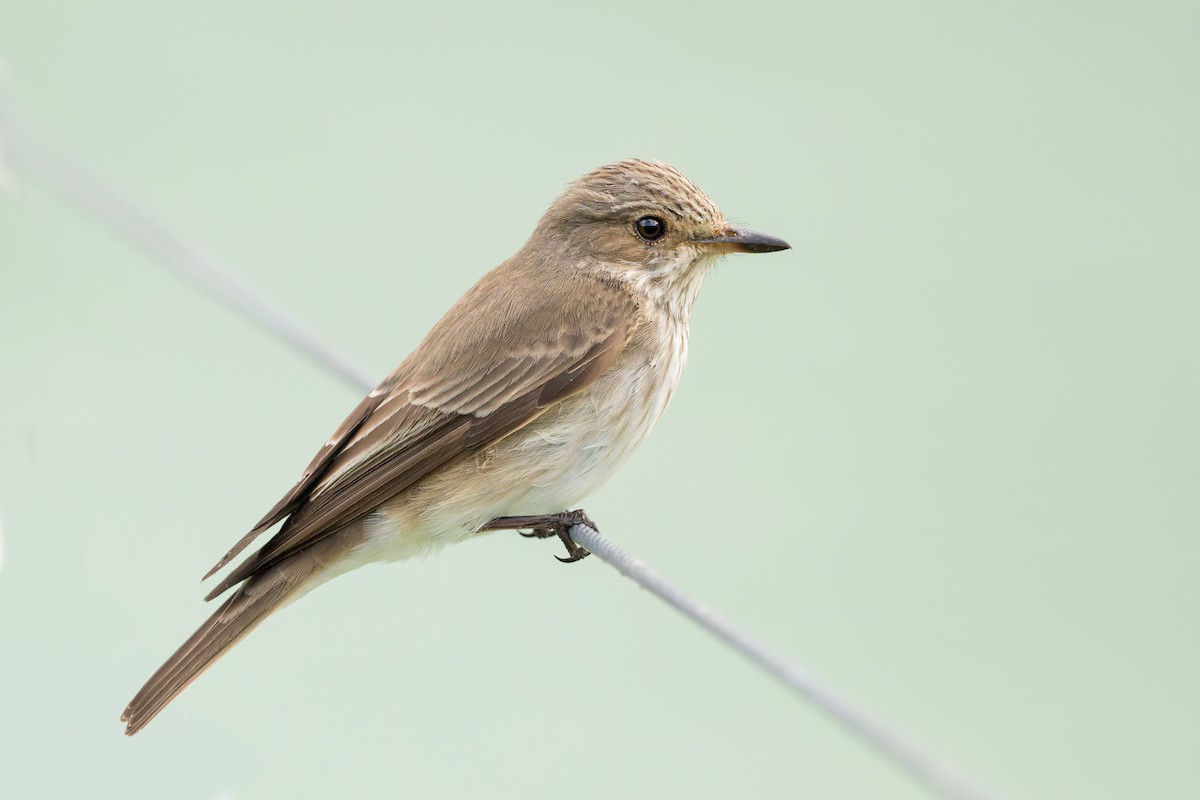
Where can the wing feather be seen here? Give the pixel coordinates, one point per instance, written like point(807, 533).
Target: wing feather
point(312, 473)
point(443, 403)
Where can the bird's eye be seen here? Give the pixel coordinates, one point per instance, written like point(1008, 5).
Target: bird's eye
point(650, 228)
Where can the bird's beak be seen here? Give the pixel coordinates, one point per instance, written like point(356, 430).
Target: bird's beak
point(740, 240)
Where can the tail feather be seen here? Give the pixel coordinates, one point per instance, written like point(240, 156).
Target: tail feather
point(241, 613)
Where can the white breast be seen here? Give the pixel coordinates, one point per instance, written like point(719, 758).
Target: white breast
point(580, 447)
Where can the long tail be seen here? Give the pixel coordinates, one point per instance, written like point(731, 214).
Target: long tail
point(250, 604)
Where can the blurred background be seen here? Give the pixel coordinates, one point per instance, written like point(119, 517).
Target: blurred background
point(966, 493)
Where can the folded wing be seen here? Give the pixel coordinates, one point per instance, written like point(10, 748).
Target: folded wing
point(494, 363)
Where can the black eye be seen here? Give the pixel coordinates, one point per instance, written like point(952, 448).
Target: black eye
point(650, 228)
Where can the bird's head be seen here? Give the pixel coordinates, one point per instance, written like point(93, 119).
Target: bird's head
point(644, 221)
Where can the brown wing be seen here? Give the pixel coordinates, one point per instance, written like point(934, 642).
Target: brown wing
point(312, 473)
point(499, 358)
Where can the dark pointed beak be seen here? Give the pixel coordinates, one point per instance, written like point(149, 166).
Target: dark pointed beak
point(740, 240)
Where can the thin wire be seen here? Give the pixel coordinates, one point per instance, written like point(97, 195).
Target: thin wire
point(35, 158)
point(39, 161)
point(935, 776)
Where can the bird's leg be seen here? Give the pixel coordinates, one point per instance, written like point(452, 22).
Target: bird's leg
point(544, 526)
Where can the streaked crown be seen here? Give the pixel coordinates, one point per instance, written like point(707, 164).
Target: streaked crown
point(633, 185)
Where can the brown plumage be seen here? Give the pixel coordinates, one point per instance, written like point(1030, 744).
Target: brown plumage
point(530, 391)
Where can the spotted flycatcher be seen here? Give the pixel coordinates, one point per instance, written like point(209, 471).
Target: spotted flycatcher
point(531, 391)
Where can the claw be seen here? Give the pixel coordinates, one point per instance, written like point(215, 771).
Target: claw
point(543, 527)
point(574, 551)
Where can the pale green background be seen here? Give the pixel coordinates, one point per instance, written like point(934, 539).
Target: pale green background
point(944, 452)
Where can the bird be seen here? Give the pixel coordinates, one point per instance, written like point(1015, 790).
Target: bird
point(524, 398)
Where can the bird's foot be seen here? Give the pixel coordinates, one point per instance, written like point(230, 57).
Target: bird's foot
point(544, 526)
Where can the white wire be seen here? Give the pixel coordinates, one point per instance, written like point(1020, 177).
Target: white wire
point(939, 778)
point(37, 160)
